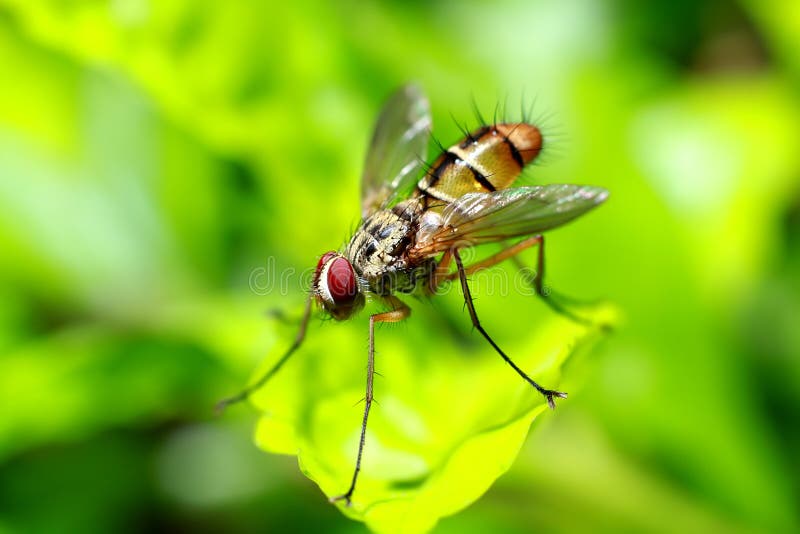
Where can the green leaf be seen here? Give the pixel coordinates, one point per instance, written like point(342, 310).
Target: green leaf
point(449, 419)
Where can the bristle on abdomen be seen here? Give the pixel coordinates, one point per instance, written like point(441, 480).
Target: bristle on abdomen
point(488, 159)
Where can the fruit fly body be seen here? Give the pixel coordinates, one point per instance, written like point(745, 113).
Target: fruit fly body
point(413, 227)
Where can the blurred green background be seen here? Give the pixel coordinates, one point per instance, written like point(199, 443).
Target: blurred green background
point(154, 154)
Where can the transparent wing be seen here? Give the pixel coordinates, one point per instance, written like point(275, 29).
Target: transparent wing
point(477, 218)
point(398, 149)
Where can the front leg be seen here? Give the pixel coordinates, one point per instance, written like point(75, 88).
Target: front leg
point(400, 312)
point(263, 379)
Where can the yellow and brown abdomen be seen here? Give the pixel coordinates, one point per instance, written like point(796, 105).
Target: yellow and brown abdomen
point(488, 159)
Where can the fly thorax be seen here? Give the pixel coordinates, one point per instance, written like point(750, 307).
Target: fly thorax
point(378, 249)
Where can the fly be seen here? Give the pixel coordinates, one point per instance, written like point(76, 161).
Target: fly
point(413, 229)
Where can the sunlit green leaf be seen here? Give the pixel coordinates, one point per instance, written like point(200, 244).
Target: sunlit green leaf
point(446, 425)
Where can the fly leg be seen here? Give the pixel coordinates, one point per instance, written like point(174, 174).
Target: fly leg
point(442, 274)
point(546, 294)
point(494, 259)
point(263, 379)
point(537, 281)
point(400, 312)
point(549, 394)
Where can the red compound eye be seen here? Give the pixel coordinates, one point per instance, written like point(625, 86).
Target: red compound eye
point(328, 256)
point(342, 281)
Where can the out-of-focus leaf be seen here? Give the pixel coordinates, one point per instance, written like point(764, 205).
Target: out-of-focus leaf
point(445, 426)
point(780, 21)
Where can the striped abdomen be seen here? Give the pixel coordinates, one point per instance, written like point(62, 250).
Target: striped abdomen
point(488, 159)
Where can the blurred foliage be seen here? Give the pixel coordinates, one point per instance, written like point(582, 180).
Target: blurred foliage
point(444, 431)
point(153, 155)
